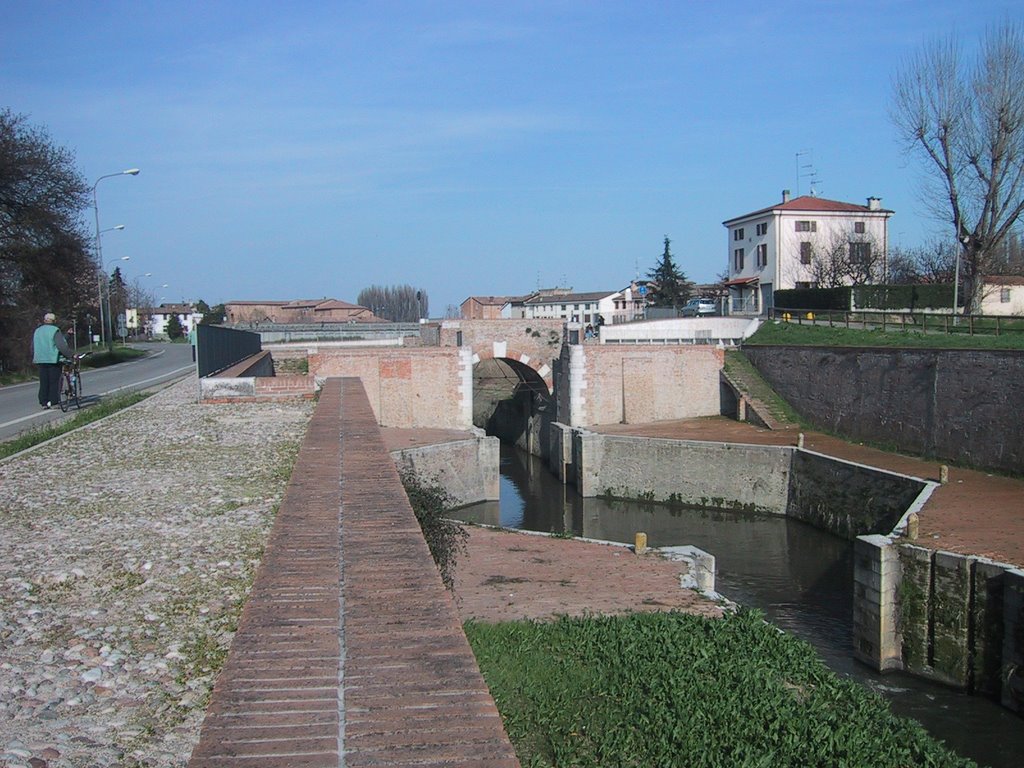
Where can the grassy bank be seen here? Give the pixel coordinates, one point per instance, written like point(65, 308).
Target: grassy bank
point(666, 689)
point(779, 332)
point(80, 419)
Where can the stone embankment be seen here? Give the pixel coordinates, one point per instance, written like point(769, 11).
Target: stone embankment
point(126, 551)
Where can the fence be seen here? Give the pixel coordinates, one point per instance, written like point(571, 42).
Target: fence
point(922, 322)
point(218, 348)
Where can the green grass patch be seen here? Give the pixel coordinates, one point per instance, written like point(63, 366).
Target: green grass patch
point(742, 370)
point(775, 332)
point(665, 689)
point(80, 419)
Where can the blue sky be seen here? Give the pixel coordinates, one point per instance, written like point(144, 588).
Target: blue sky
point(307, 149)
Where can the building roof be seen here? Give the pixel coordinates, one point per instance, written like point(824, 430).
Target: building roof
point(491, 301)
point(171, 309)
point(1004, 279)
point(256, 303)
point(569, 298)
point(329, 304)
point(810, 204)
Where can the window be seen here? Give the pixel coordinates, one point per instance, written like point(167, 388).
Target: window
point(737, 234)
point(858, 227)
point(860, 253)
point(762, 229)
point(803, 286)
point(806, 226)
point(762, 255)
point(737, 260)
point(1004, 295)
point(805, 252)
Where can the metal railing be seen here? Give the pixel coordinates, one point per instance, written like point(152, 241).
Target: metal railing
point(218, 348)
point(921, 322)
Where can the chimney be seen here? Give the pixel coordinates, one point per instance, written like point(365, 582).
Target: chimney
point(874, 203)
point(785, 196)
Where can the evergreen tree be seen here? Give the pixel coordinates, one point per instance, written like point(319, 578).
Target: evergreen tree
point(174, 328)
point(671, 287)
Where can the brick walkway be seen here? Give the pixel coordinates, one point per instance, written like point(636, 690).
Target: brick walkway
point(364, 665)
point(975, 513)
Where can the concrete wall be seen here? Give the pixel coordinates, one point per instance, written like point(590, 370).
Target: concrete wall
point(848, 499)
point(467, 469)
point(683, 330)
point(716, 475)
point(407, 387)
point(632, 385)
point(952, 404)
point(952, 618)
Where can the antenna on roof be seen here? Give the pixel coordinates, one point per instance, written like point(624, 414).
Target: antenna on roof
point(805, 170)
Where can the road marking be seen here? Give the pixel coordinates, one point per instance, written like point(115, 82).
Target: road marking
point(109, 391)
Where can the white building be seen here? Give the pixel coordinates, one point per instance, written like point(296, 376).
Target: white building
point(785, 246)
point(152, 323)
point(1002, 295)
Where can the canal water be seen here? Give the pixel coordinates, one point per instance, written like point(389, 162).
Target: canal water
point(800, 577)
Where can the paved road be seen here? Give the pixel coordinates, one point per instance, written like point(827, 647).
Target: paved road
point(19, 406)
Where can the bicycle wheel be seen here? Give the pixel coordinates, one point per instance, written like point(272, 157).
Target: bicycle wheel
point(76, 380)
point(65, 393)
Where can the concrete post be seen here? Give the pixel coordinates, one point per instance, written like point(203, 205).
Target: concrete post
point(876, 637)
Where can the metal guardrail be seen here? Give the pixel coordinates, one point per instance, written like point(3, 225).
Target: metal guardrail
point(218, 348)
point(886, 320)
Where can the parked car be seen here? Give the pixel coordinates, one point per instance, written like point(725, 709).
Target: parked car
point(700, 306)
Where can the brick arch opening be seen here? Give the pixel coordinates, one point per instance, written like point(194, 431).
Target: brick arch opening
point(512, 400)
point(501, 350)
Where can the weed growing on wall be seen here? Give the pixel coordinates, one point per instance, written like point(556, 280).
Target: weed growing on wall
point(445, 537)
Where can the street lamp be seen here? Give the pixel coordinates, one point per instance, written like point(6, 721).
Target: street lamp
point(99, 247)
point(110, 315)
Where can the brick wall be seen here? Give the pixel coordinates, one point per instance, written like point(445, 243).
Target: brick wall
point(633, 385)
point(407, 388)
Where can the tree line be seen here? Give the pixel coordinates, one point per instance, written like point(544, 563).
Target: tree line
point(45, 262)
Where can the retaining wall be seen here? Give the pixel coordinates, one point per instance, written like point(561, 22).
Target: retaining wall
point(951, 618)
point(951, 404)
point(468, 470)
point(845, 498)
point(716, 475)
point(633, 385)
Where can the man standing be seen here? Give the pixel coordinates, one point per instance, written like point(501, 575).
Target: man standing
point(48, 344)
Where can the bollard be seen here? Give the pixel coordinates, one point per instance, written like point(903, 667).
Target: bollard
point(640, 543)
point(800, 440)
point(913, 526)
point(943, 474)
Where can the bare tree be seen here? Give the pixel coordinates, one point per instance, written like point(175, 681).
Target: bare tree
point(967, 121)
point(398, 303)
point(933, 262)
point(846, 258)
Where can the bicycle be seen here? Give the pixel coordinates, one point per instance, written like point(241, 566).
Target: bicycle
point(71, 382)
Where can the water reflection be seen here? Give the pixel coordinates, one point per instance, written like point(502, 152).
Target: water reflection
point(802, 578)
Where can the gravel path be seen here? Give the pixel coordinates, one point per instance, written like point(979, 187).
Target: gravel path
point(126, 552)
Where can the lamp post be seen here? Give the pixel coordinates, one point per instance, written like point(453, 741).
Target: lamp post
point(99, 247)
point(99, 283)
